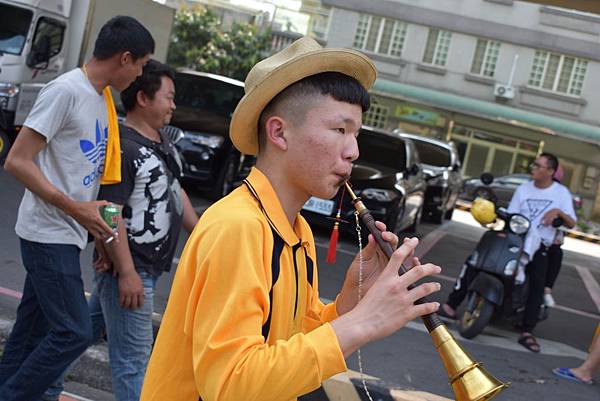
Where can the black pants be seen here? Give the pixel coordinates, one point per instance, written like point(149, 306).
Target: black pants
point(536, 272)
point(555, 256)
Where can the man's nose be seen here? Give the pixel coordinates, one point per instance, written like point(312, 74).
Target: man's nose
point(351, 151)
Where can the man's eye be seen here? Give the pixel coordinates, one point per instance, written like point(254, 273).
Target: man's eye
point(341, 130)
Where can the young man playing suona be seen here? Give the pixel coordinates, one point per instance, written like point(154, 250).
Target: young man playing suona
point(541, 200)
point(154, 208)
point(244, 319)
point(59, 157)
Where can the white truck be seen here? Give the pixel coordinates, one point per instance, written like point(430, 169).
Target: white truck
point(41, 39)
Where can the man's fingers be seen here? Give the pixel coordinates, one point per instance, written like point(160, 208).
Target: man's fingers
point(423, 290)
point(123, 300)
point(381, 226)
point(418, 272)
point(425, 309)
point(401, 254)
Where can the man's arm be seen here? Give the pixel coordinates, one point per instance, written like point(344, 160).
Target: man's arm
point(190, 217)
point(552, 214)
point(131, 290)
point(20, 163)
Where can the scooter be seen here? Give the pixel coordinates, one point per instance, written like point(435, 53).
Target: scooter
point(495, 290)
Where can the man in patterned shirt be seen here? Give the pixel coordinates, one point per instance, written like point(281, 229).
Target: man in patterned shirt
point(154, 207)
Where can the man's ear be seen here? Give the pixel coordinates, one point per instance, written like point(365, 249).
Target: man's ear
point(141, 98)
point(125, 58)
point(275, 132)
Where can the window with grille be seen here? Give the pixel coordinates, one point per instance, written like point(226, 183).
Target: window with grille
point(380, 35)
point(438, 45)
point(485, 57)
point(558, 73)
point(376, 116)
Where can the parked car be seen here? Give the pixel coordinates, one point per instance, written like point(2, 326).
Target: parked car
point(441, 167)
point(200, 130)
point(503, 189)
point(387, 177)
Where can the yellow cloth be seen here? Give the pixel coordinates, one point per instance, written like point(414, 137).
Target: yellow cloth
point(112, 160)
point(210, 342)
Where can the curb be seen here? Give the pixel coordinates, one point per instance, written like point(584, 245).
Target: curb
point(594, 239)
point(92, 369)
point(348, 387)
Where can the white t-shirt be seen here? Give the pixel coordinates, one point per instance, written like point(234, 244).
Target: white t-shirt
point(71, 115)
point(534, 202)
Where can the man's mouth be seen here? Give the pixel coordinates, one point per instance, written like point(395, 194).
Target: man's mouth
point(342, 179)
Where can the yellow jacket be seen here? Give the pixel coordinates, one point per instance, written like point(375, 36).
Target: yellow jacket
point(245, 274)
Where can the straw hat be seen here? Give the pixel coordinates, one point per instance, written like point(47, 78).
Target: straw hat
point(303, 58)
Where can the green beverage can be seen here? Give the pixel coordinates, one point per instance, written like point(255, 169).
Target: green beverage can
point(110, 214)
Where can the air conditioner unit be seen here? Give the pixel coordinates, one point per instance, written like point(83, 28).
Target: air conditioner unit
point(503, 91)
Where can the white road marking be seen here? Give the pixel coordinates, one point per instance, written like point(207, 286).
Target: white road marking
point(590, 284)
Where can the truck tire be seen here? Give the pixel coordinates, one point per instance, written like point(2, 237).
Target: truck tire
point(4, 146)
point(475, 318)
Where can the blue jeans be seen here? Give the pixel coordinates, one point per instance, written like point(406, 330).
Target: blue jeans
point(99, 333)
point(53, 325)
point(129, 333)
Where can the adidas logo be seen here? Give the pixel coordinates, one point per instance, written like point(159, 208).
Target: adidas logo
point(95, 153)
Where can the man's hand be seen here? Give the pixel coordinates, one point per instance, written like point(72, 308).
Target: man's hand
point(389, 304)
point(131, 290)
point(550, 215)
point(103, 262)
point(88, 215)
point(374, 262)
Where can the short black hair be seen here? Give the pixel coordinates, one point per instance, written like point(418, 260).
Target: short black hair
point(552, 160)
point(149, 83)
point(120, 34)
point(341, 87)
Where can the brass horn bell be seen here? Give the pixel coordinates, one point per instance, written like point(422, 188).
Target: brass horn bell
point(469, 380)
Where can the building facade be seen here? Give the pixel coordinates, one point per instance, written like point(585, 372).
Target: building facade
point(503, 79)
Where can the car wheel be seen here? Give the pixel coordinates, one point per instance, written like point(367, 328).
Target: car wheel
point(416, 221)
point(4, 146)
point(226, 178)
point(434, 216)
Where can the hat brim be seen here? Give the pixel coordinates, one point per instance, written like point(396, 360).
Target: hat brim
point(243, 129)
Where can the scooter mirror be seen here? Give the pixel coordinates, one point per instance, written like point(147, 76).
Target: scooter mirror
point(487, 178)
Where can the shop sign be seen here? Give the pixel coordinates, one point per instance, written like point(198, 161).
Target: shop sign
point(419, 116)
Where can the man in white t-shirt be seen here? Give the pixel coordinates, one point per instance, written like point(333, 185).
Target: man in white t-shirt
point(59, 157)
point(541, 200)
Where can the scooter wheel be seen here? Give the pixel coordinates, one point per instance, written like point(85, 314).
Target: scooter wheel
point(477, 315)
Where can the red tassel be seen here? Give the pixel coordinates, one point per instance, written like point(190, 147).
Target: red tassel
point(333, 244)
point(335, 234)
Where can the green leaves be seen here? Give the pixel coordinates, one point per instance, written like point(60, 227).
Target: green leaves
point(198, 43)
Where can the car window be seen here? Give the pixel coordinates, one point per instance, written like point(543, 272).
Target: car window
point(210, 95)
point(14, 24)
point(382, 150)
point(432, 154)
point(51, 30)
